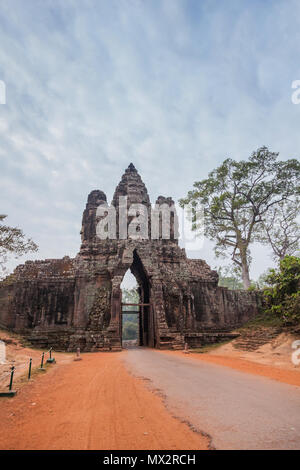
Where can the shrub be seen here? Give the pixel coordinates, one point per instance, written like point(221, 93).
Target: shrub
point(282, 298)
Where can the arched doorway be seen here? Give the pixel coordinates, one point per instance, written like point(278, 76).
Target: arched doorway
point(129, 311)
point(141, 307)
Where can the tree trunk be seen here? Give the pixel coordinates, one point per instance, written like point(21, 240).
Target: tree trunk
point(245, 272)
point(243, 260)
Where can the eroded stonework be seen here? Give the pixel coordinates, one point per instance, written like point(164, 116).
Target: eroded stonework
point(69, 303)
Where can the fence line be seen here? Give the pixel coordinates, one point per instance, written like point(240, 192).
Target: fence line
point(13, 368)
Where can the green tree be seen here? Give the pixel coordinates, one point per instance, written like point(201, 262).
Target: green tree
point(130, 321)
point(13, 241)
point(236, 198)
point(282, 298)
point(130, 330)
point(130, 296)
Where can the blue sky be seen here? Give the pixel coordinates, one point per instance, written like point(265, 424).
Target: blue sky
point(175, 86)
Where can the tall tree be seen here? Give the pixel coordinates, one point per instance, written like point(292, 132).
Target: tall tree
point(13, 241)
point(281, 230)
point(236, 198)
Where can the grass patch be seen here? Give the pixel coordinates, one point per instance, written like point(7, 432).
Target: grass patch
point(35, 371)
point(263, 319)
point(206, 348)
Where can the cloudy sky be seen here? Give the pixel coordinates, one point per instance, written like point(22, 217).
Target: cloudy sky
point(175, 86)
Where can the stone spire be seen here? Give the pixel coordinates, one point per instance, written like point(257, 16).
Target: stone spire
point(88, 231)
point(132, 186)
point(131, 167)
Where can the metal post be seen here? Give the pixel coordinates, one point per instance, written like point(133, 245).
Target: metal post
point(51, 359)
point(11, 377)
point(29, 371)
point(42, 361)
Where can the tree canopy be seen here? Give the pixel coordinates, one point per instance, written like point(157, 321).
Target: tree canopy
point(237, 196)
point(13, 241)
point(282, 298)
point(130, 296)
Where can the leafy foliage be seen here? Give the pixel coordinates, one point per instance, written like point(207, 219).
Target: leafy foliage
point(13, 241)
point(282, 299)
point(237, 197)
point(130, 327)
point(130, 296)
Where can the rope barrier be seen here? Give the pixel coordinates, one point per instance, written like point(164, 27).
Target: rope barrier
point(13, 368)
point(11, 374)
point(5, 375)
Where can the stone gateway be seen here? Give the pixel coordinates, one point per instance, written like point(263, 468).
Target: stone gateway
point(69, 303)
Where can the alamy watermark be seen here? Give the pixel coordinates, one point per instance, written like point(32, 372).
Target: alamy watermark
point(296, 354)
point(159, 222)
point(296, 94)
point(2, 92)
point(2, 352)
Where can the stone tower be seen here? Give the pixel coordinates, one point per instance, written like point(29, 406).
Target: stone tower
point(70, 303)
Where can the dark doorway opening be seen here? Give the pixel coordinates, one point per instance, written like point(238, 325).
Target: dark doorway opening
point(136, 308)
point(130, 311)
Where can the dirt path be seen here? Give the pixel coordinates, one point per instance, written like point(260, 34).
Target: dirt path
point(91, 404)
point(238, 409)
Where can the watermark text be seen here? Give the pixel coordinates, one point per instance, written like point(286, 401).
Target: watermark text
point(2, 92)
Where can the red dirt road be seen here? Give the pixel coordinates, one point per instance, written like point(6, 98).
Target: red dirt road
point(91, 404)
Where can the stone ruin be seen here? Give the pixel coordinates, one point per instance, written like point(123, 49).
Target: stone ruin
point(69, 303)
